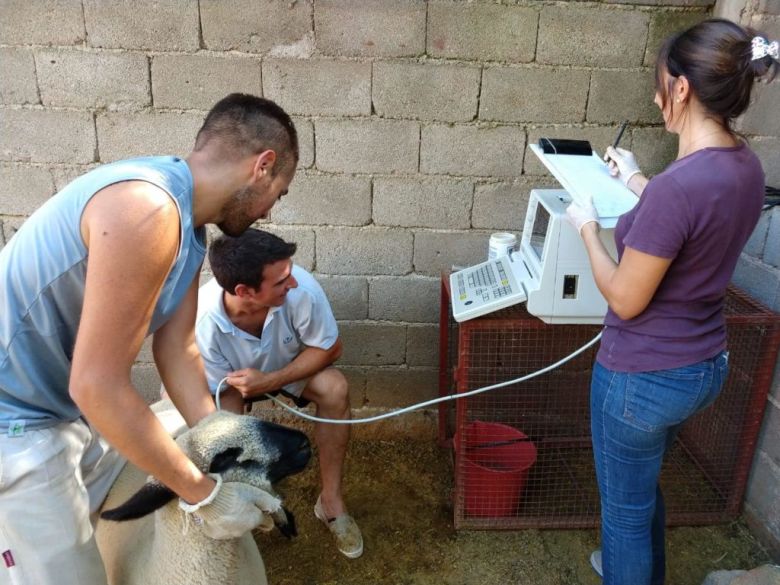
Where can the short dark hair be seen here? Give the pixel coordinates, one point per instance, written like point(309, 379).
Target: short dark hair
point(716, 58)
point(245, 124)
point(242, 259)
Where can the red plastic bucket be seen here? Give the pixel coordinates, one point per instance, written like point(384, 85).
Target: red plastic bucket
point(494, 461)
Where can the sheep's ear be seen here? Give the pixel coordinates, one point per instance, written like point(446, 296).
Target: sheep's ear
point(225, 460)
point(152, 496)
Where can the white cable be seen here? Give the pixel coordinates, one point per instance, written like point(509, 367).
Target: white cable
point(400, 411)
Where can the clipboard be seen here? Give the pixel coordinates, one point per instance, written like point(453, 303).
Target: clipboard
point(584, 176)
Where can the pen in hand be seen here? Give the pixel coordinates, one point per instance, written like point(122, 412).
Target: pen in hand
point(617, 138)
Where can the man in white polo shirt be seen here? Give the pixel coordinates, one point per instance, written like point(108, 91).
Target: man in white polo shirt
point(266, 325)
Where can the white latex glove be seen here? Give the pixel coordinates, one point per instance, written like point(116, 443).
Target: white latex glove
point(578, 214)
point(232, 509)
point(622, 164)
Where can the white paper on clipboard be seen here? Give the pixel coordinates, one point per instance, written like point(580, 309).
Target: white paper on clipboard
point(584, 176)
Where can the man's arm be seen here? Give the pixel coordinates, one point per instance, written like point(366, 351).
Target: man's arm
point(132, 232)
point(179, 362)
point(251, 382)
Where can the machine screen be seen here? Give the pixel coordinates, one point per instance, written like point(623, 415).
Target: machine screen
point(539, 231)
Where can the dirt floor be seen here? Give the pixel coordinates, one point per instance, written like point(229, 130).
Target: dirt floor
point(400, 493)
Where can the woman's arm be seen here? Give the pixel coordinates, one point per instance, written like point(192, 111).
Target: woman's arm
point(628, 286)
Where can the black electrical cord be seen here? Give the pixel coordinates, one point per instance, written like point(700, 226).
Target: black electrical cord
point(771, 197)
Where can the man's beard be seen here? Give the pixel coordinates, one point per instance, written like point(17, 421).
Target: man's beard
point(237, 217)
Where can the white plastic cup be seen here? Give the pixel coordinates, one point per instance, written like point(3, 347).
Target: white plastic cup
point(501, 244)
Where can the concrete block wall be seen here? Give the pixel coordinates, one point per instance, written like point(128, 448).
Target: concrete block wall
point(414, 118)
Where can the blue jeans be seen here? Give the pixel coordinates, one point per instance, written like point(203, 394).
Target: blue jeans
point(634, 420)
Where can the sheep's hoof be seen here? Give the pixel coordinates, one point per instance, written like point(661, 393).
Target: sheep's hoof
point(288, 528)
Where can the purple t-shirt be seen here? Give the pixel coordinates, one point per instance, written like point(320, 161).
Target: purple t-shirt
point(700, 211)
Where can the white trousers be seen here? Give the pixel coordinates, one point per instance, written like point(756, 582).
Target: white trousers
point(52, 483)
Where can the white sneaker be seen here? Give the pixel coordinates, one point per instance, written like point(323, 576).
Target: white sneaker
point(595, 562)
point(344, 529)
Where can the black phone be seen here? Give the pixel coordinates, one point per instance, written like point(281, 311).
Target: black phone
point(565, 146)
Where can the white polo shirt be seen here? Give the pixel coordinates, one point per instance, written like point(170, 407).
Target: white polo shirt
point(304, 320)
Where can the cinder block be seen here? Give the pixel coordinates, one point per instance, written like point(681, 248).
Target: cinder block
point(46, 136)
point(666, 23)
point(422, 202)
point(759, 280)
point(305, 129)
point(769, 439)
point(127, 135)
point(426, 91)
point(8, 227)
point(325, 200)
point(519, 94)
point(655, 149)
point(485, 32)
point(162, 25)
point(146, 356)
point(372, 344)
point(17, 70)
point(761, 117)
point(768, 150)
point(364, 251)
point(623, 95)
point(772, 247)
point(43, 22)
point(692, 3)
point(435, 252)
point(763, 492)
point(348, 295)
point(769, 6)
point(319, 86)
point(371, 28)
point(502, 206)
point(199, 81)
point(422, 345)
point(755, 245)
point(399, 387)
point(413, 299)
point(356, 381)
point(23, 188)
point(594, 36)
point(303, 237)
point(599, 137)
point(367, 146)
point(254, 26)
point(147, 381)
point(84, 79)
point(64, 174)
point(482, 151)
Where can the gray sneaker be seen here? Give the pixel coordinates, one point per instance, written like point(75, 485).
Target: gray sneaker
point(345, 530)
point(595, 562)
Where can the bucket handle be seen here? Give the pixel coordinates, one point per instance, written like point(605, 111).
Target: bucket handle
point(499, 443)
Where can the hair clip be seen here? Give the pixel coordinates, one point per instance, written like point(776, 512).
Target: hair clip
point(761, 48)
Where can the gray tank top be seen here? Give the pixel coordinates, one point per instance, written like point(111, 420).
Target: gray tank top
point(42, 278)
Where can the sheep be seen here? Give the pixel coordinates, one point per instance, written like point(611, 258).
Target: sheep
point(138, 547)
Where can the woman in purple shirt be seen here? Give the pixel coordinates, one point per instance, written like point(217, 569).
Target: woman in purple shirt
point(663, 351)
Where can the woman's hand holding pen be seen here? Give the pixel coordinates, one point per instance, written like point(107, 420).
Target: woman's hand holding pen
point(622, 164)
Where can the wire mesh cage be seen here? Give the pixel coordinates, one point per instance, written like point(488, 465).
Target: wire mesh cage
point(523, 456)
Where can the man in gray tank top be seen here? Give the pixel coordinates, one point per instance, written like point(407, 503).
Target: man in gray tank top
point(110, 259)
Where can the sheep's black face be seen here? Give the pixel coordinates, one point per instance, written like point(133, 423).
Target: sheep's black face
point(243, 448)
point(293, 447)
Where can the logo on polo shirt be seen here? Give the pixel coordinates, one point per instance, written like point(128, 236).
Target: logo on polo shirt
point(287, 339)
